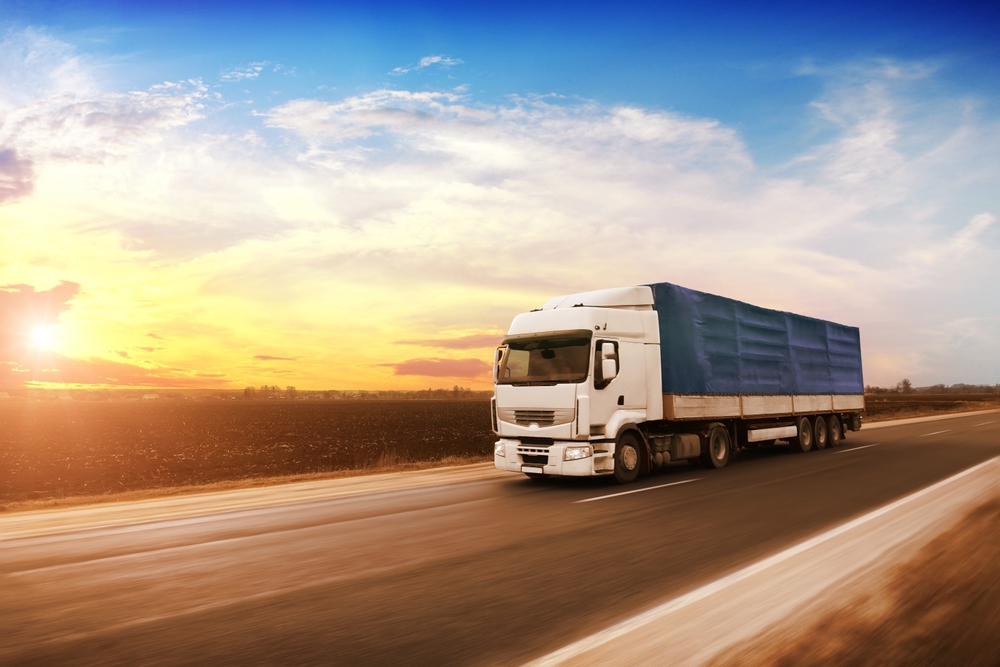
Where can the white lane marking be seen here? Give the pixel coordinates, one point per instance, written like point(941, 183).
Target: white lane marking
point(934, 433)
point(854, 449)
point(625, 493)
point(985, 423)
point(578, 648)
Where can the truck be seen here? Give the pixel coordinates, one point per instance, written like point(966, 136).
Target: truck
point(625, 381)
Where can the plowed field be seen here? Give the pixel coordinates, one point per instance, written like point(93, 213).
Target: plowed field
point(60, 448)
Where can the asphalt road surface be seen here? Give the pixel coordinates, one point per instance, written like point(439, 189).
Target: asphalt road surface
point(494, 571)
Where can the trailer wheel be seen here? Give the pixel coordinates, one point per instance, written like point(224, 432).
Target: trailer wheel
point(719, 449)
point(627, 456)
point(820, 434)
point(803, 442)
point(835, 429)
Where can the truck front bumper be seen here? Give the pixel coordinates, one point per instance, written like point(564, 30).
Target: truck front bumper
point(549, 459)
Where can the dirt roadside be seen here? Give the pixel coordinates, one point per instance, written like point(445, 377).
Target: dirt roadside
point(941, 607)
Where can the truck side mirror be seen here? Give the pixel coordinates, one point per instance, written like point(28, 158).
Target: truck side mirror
point(609, 369)
point(497, 358)
point(605, 363)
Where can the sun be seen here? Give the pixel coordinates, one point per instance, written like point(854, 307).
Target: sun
point(44, 337)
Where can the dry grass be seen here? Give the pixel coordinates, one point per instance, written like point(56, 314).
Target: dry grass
point(940, 608)
point(884, 407)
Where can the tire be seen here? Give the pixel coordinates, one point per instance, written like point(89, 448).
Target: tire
point(835, 429)
point(820, 434)
point(803, 442)
point(628, 451)
point(719, 449)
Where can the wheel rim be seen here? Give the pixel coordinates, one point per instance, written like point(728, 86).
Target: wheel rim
point(630, 457)
point(718, 448)
point(806, 435)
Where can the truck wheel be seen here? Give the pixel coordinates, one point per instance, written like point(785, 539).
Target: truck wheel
point(627, 454)
point(719, 449)
point(803, 442)
point(820, 434)
point(836, 431)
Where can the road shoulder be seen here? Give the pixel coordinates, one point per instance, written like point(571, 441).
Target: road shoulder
point(33, 523)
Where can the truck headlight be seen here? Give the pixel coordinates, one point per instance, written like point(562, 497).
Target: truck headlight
point(576, 453)
point(500, 449)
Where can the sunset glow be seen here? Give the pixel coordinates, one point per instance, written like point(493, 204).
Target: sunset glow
point(44, 338)
point(328, 199)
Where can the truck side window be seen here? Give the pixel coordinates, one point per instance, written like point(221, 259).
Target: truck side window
point(605, 349)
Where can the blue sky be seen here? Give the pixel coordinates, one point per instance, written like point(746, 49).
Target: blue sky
point(425, 172)
point(750, 65)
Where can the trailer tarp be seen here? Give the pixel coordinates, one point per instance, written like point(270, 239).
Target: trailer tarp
point(713, 345)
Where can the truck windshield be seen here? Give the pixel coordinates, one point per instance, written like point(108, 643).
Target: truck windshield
point(545, 361)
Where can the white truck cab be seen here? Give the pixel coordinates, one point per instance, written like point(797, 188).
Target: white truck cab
point(570, 376)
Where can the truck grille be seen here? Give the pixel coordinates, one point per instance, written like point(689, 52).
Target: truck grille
point(528, 416)
point(536, 455)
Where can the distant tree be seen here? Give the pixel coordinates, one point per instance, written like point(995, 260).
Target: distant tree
point(249, 392)
point(904, 386)
point(291, 392)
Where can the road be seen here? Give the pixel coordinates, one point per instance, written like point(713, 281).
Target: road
point(496, 570)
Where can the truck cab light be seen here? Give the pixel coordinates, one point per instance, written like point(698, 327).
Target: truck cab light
point(499, 449)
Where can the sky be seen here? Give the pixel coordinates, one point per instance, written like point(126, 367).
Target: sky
point(333, 196)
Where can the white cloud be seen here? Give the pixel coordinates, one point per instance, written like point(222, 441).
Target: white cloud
point(427, 61)
point(34, 65)
point(244, 72)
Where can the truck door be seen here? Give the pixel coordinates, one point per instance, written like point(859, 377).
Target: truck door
point(603, 399)
point(626, 390)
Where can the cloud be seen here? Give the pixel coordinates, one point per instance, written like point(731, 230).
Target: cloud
point(371, 114)
point(71, 126)
point(98, 372)
point(427, 61)
point(470, 342)
point(267, 357)
point(15, 175)
point(439, 368)
point(51, 105)
point(251, 71)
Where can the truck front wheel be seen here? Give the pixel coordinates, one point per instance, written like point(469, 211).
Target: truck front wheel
point(627, 454)
point(717, 453)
